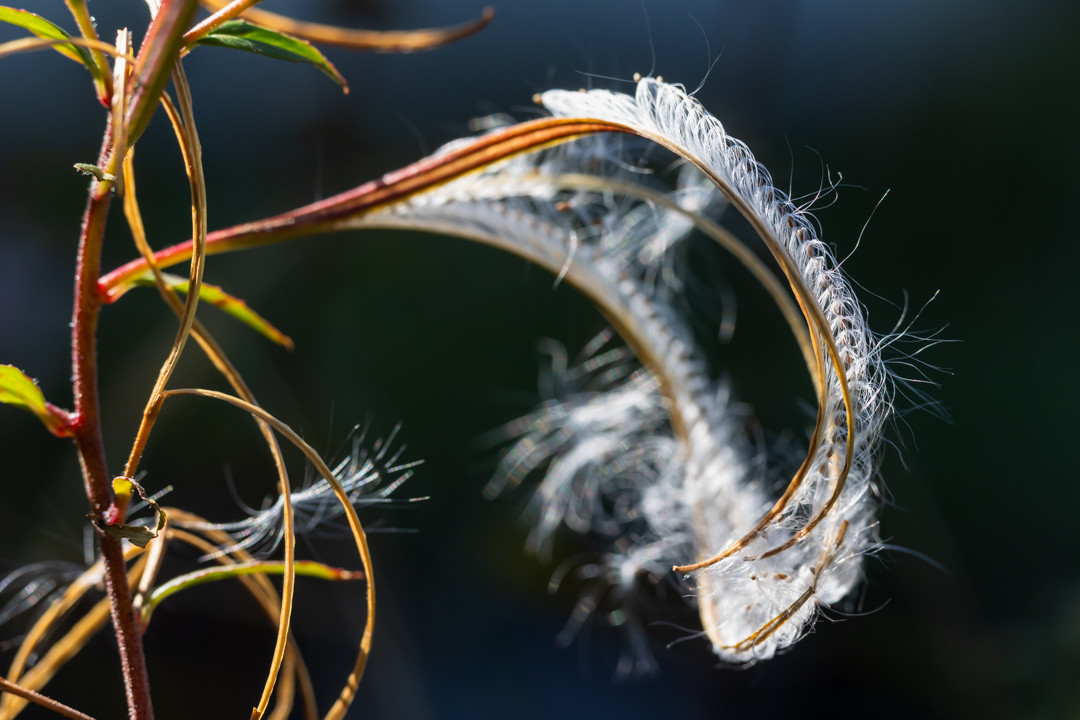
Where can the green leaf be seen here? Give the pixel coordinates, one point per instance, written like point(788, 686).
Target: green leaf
point(214, 574)
point(227, 303)
point(45, 29)
point(243, 35)
point(19, 390)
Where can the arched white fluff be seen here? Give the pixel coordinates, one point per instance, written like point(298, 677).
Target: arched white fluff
point(824, 565)
point(656, 461)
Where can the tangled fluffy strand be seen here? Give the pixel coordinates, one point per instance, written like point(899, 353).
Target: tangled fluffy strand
point(654, 458)
point(368, 477)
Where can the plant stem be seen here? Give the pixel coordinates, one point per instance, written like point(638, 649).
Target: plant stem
point(88, 437)
point(102, 76)
point(216, 20)
point(47, 702)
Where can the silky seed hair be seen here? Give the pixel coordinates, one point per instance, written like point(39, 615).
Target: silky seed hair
point(369, 475)
point(656, 461)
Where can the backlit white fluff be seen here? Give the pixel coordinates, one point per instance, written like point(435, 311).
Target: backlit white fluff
point(367, 476)
point(655, 461)
point(825, 562)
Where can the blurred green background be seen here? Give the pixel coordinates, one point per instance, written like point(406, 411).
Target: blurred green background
point(965, 111)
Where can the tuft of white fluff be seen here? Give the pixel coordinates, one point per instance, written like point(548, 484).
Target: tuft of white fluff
point(28, 586)
point(822, 565)
point(655, 460)
point(368, 477)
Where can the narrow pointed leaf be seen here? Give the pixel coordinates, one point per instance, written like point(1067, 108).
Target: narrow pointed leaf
point(230, 304)
point(19, 390)
point(45, 29)
point(243, 35)
point(309, 568)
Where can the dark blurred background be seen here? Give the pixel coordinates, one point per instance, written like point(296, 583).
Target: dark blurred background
point(963, 110)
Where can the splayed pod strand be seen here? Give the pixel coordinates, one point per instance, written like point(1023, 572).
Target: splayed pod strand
point(688, 497)
point(653, 458)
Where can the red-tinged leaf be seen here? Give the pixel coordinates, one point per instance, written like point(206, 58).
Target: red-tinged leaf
point(402, 41)
point(19, 390)
point(227, 303)
point(249, 37)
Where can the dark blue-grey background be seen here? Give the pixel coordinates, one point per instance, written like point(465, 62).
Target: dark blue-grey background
point(966, 110)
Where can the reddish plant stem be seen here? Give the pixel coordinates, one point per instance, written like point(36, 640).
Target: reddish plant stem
point(333, 213)
point(46, 702)
point(87, 432)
